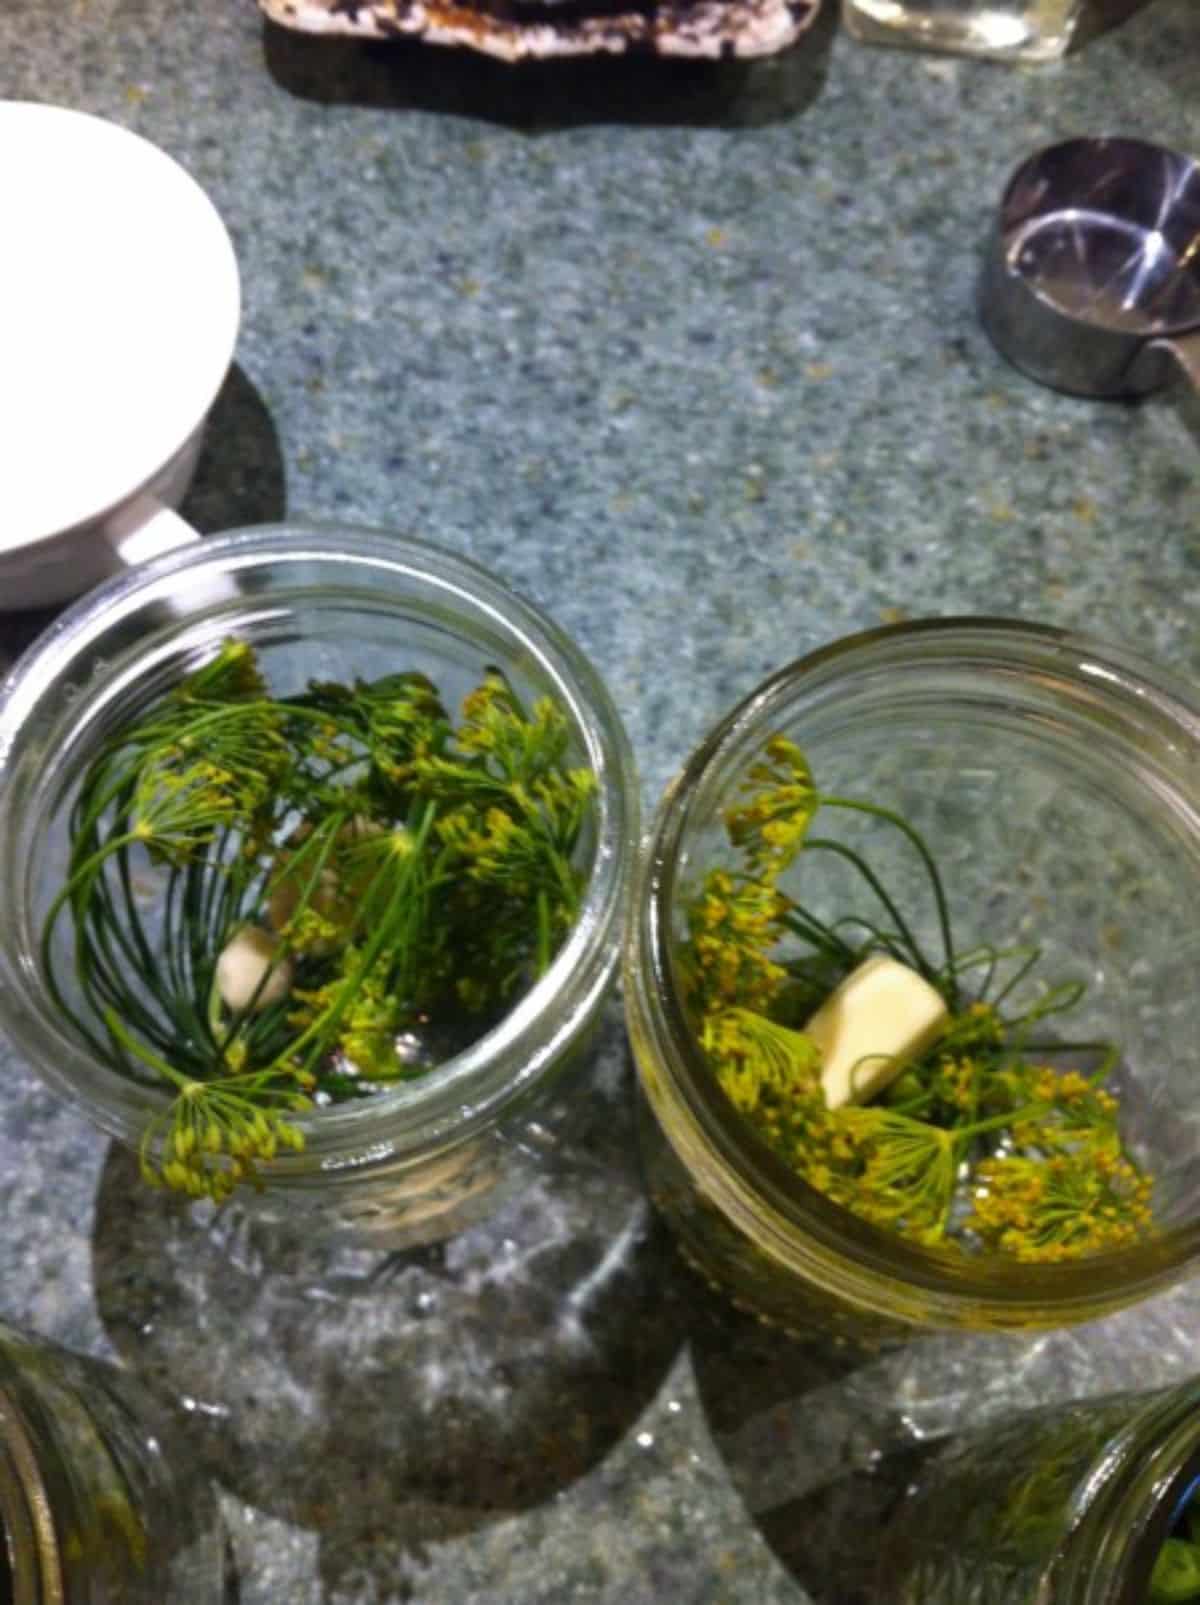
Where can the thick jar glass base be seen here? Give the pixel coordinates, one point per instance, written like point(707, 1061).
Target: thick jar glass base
point(738, 1268)
point(1002, 30)
point(394, 1206)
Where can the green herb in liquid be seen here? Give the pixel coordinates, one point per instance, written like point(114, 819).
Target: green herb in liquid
point(342, 871)
point(1176, 1575)
point(1047, 1176)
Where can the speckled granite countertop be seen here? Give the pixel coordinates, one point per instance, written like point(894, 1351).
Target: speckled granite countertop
point(689, 356)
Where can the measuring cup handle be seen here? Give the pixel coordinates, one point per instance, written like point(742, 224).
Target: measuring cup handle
point(1185, 350)
point(148, 529)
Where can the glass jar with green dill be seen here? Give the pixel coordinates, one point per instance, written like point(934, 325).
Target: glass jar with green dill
point(1087, 1503)
point(314, 847)
point(280, 902)
point(1175, 1577)
point(908, 985)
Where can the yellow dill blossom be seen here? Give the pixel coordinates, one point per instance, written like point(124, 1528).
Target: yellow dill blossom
point(520, 745)
point(907, 1172)
point(406, 869)
point(495, 845)
point(233, 675)
point(759, 1062)
point(979, 1145)
point(977, 1026)
point(179, 802)
point(405, 724)
point(369, 1027)
point(771, 1075)
point(1085, 1200)
point(733, 925)
point(771, 824)
point(964, 1078)
point(217, 1132)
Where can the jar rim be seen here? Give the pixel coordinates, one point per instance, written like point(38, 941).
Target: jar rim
point(1124, 1507)
point(869, 1266)
point(468, 1090)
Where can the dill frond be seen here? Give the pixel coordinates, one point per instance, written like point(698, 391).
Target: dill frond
point(983, 1143)
point(398, 870)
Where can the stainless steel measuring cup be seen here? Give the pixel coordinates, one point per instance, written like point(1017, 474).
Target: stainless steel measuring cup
point(1091, 282)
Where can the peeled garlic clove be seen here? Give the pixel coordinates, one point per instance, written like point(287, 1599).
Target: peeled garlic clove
point(881, 1018)
point(245, 960)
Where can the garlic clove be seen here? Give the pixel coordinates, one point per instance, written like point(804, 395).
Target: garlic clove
point(250, 975)
point(882, 1017)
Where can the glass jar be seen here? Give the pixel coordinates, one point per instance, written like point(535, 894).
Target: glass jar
point(419, 1161)
point(1070, 1504)
point(1004, 30)
point(97, 1502)
point(1056, 780)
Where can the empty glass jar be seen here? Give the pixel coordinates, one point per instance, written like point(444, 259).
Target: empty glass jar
point(1006, 30)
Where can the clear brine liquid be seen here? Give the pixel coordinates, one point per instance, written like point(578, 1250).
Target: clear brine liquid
point(1029, 30)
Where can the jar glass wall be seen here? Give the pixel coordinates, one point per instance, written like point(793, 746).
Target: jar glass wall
point(1004, 30)
point(1055, 780)
point(97, 1501)
point(405, 1165)
point(1071, 1504)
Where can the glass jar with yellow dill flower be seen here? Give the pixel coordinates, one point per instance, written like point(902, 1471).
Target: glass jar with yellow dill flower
point(907, 985)
point(1088, 1503)
point(314, 847)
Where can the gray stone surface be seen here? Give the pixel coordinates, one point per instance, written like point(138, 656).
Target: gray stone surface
point(689, 356)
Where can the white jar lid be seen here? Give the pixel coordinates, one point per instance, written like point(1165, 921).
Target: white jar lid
point(119, 309)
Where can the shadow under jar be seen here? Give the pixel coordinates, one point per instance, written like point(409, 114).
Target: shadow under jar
point(1057, 783)
point(97, 1505)
point(427, 1156)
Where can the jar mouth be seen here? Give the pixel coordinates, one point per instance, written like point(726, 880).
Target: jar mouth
point(1125, 1508)
point(133, 636)
point(874, 1268)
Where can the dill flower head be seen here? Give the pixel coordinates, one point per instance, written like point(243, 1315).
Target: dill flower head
point(979, 1143)
point(780, 801)
point(733, 927)
point(401, 870)
point(1072, 1202)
